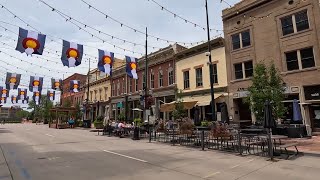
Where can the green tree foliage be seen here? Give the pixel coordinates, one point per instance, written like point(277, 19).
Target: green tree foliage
point(22, 114)
point(41, 110)
point(266, 85)
point(179, 111)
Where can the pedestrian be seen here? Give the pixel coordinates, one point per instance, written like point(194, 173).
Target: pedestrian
point(71, 122)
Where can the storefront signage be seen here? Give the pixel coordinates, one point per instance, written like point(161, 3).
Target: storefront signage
point(312, 92)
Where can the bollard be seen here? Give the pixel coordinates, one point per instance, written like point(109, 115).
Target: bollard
point(149, 134)
point(239, 142)
point(202, 140)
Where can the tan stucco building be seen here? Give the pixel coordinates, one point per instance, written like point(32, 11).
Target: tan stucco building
point(283, 32)
point(193, 77)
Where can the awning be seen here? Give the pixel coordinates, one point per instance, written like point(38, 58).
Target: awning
point(169, 107)
point(202, 100)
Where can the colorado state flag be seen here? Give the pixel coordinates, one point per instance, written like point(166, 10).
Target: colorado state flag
point(22, 94)
point(131, 67)
point(71, 54)
point(12, 80)
point(105, 61)
point(14, 99)
point(4, 92)
point(51, 95)
point(56, 84)
point(74, 86)
point(36, 97)
point(35, 83)
point(30, 42)
point(3, 100)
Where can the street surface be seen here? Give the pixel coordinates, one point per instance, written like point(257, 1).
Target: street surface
point(35, 152)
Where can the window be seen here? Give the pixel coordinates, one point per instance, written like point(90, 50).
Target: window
point(241, 40)
point(292, 61)
point(302, 22)
point(245, 37)
point(305, 56)
point(130, 85)
point(199, 82)
point(152, 80)
point(118, 89)
point(136, 83)
point(123, 87)
point(186, 82)
point(215, 74)
point(238, 71)
point(243, 70)
point(100, 94)
point(170, 75)
point(113, 93)
point(160, 78)
point(106, 93)
point(248, 69)
point(295, 23)
point(287, 25)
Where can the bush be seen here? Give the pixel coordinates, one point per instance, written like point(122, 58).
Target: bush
point(137, 122)
point(204, 123)
point(80, 124)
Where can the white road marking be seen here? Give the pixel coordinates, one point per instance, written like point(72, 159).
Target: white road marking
point(125, 156)
point(210, 175)
point(49, 135)
point(235, 166)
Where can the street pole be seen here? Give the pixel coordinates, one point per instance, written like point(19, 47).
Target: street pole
point(88, 89)
point(146, 76)
point(213, 117)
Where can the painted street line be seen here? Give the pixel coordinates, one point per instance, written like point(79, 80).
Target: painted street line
point(49, 135)
point(122, 155)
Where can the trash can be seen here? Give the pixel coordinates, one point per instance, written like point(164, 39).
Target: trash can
point(295, 131)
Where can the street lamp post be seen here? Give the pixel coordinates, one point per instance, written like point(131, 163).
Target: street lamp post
point(213, 117)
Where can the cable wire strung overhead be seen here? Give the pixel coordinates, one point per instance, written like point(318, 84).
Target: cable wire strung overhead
point(136, 30)
point(175, 15)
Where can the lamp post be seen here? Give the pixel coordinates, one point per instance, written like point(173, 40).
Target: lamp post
point(213, 117)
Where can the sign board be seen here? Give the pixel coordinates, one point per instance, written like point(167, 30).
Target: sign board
point(119, 105)
point(312, 92)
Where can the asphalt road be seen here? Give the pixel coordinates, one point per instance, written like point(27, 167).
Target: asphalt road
point(35, 152)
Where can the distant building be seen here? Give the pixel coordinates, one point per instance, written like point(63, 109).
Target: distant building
point(73, 98)
point(193, 78)
point(283, 32)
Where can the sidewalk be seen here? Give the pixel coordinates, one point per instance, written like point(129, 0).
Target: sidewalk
point(307, 145)
point(4, 170)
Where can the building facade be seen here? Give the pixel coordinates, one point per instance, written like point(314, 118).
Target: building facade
point(161, 83)
point(283, 32)
point(193, 78)
point(71, 98)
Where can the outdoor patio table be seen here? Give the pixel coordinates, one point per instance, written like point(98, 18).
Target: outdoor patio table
point(275, 138)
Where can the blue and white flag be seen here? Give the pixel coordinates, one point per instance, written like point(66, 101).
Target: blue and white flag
point(22, 94)
point(56, 84)
point(71, 54)
point(4, 92)
point(14, 99)
point(51, 95)
point(26, 101)
point(131, 67)
point(36, 97)
point(105, 61)
point(35, 83)
point(3, 100)
point(12, 80)
point(30, 42)
point(74, 86)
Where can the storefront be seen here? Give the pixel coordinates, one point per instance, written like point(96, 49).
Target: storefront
point(312, 106)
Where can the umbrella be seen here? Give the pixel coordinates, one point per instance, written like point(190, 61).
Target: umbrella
point(269, 123)
point(224, 113)
point(297, 116)
point(137, 109)
point(268, 117)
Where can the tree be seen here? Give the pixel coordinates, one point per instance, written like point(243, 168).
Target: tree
point(266, 85)
point(43, 109)
point(67, 103)
point(22, 114)
point(179, 112)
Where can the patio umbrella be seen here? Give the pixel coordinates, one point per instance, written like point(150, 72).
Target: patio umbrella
point(269, 123)
point(224, 113)
point(297, 116)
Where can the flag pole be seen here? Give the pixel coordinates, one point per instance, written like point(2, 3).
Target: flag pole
point(88, 88)
point(146, 76)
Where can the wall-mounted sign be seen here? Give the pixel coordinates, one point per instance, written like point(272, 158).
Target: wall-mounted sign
point(312, 92)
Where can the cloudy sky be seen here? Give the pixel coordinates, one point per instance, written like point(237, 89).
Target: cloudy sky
point(138, 14)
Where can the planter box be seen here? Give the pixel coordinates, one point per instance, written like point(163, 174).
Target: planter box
point(98, 125)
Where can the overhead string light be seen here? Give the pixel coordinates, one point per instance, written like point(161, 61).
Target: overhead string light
point(175, 15)
point(71, 20)
point(136, 30)
point(226, 2)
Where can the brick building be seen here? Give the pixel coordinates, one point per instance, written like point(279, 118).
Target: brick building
point(161, 82)
point(73, 98)
point(283, 32)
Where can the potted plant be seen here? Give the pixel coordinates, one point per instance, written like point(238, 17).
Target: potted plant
point(98, 123)
point(137, 122)
point(186, 126)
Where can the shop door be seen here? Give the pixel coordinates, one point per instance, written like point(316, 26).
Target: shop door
point(315, 117)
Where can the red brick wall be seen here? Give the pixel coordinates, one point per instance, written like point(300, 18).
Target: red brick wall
point(66, 88)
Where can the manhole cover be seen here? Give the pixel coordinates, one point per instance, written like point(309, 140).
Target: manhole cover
point(42, 158)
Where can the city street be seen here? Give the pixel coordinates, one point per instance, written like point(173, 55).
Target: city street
point(30, 151)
